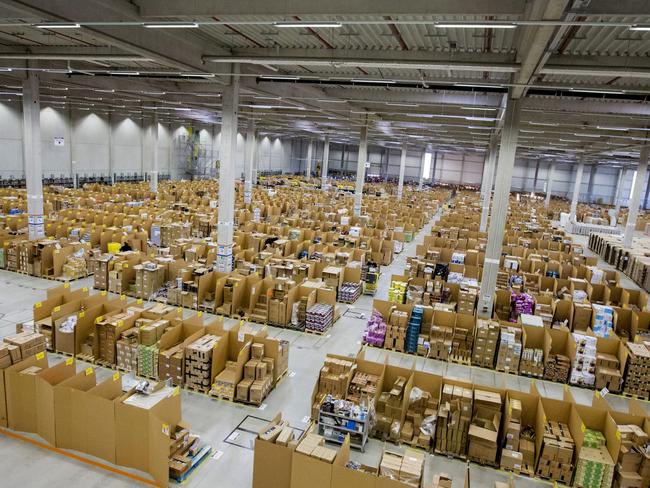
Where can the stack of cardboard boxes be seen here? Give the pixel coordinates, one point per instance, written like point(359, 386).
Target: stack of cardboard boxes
point(467, 300)
point(440, 342)
point(278, 302)
point(485, 343)
point(581, 316)
point(557, 368)
point(171, 364)
point(389, 412)
point(363, 387)
point(421, 409)
point(518, 454)
point(556, 453)
point(20, 346)
point(406, 468)
point(484, 431)
point(109, 330)
point(532, 362)
point(633, 467)
point(509, 349)
point(396, 330)
point(320, 317)
point(583, 370)
point(127, 350)
point(313, 445)
point(333, 380)
point(198, 363)
point(594, 468)
point(608, 372)
point(454, 417)
point(258, 377)
point(462, 343)
point(637, 376)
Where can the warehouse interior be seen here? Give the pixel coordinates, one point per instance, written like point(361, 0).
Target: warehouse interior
point(504, 142)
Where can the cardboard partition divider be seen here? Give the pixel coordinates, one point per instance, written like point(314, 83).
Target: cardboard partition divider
point(271, 461)
point(21, 394)
point(69, 413)
point(98, 407)
point(46, 382)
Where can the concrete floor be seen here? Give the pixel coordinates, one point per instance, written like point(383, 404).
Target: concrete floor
point(215, 420)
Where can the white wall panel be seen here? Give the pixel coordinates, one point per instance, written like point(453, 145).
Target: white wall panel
point(54, 123)
point(11, 145)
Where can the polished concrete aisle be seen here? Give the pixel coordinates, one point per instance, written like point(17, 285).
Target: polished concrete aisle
point(24, 465)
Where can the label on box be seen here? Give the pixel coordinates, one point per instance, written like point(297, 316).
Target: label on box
point(116, 376)
point(89, 371)
point(40, 356)
point(165, 429)
point(69, 361)
point(603, 392)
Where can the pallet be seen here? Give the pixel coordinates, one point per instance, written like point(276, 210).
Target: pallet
point(196, 389)
point(105, 364)
point(89, 359)
point(280, 378)
point(64, 353)
point(484, 463)
point(451, 455)
point(66, 279)
point(635, 396)
point(318, 332)
point(256, 321)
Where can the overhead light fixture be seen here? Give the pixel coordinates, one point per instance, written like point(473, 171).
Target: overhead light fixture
point(267, 98)
point(124, 73)
point(322, 100)
point(621, 129)
point(153, 93)
point(395, 104)
point(640, 27)
point(449, 25)
point(600, 92)
point(532, 131)
point(171, 25)
point(481, 119)
point(364, 80)
point(57, 25)
point(545, 124)
point(6, 69)
point(481, 127)
point(102, 91)
point(586, 135)
point(198, 75)
point(280, 77)
point(309, 24)
point(471, 85)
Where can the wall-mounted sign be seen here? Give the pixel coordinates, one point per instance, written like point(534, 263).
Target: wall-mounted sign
point(367, 164)
point(59, 141)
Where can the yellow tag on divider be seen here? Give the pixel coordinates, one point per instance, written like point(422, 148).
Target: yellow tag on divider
point(103, 293)
point(165, 429)
point(618, 434)
point(57, 308)
point(66, 285)
point(99, 319)
point(139, 301)
point(56, 251)
point(200, 314)
point(120, 323)
point(116, 376)
point(85, 289)
point(40, 356)
point(566, 387)
point(177, 391)
point(179, 310)
point(597, 394)
point(89, 371)
point(122, 297)
point(544, 418)
point(583, 427)
point(125, 265)
point(38, 304)
point(69, 361)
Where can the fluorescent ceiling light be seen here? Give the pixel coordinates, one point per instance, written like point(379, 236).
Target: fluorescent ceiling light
point(372, 81)
point(330, 100)
point(593, 90)
point(394, 104)
point(531, 131)
point(205, 95)
point(153, 93)
point(267, 98)
point(198, 75)
point(569, 140)
point(57, 25)
point(545, 124)
point(184, 109)
point(124, 73)
point(6, 69)
point(471, 85)
point(446, 25)
point(280, 77)
point(586, 135)
point(481, 119)
point(171, 25)
point(640, 27)
point(622, 129)
point(309, 24)
point(480, 127)
point(102, 91)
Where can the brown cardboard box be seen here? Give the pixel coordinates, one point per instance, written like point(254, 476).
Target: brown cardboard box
point(511, 460)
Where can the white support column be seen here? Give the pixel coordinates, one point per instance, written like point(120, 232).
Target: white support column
point(550, 176)
point(251, 143)
point(153, 184)
point(486, 184)
point(617, 194)
point(32, 156)
point(361, 168)
point(226, 212)
point(326, 159)
point(576, 188)
point(310, 153)
point(637, 190)
point(111, 171)
point(421, 179)
point(402, 168)
point(509, 135)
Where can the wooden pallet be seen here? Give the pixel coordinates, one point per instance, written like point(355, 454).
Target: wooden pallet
point(635, 397)
point(66, 279)
point(88, 359)
point(196, 389)
point(317, 332)
point(63, 353)
point(451, 455)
